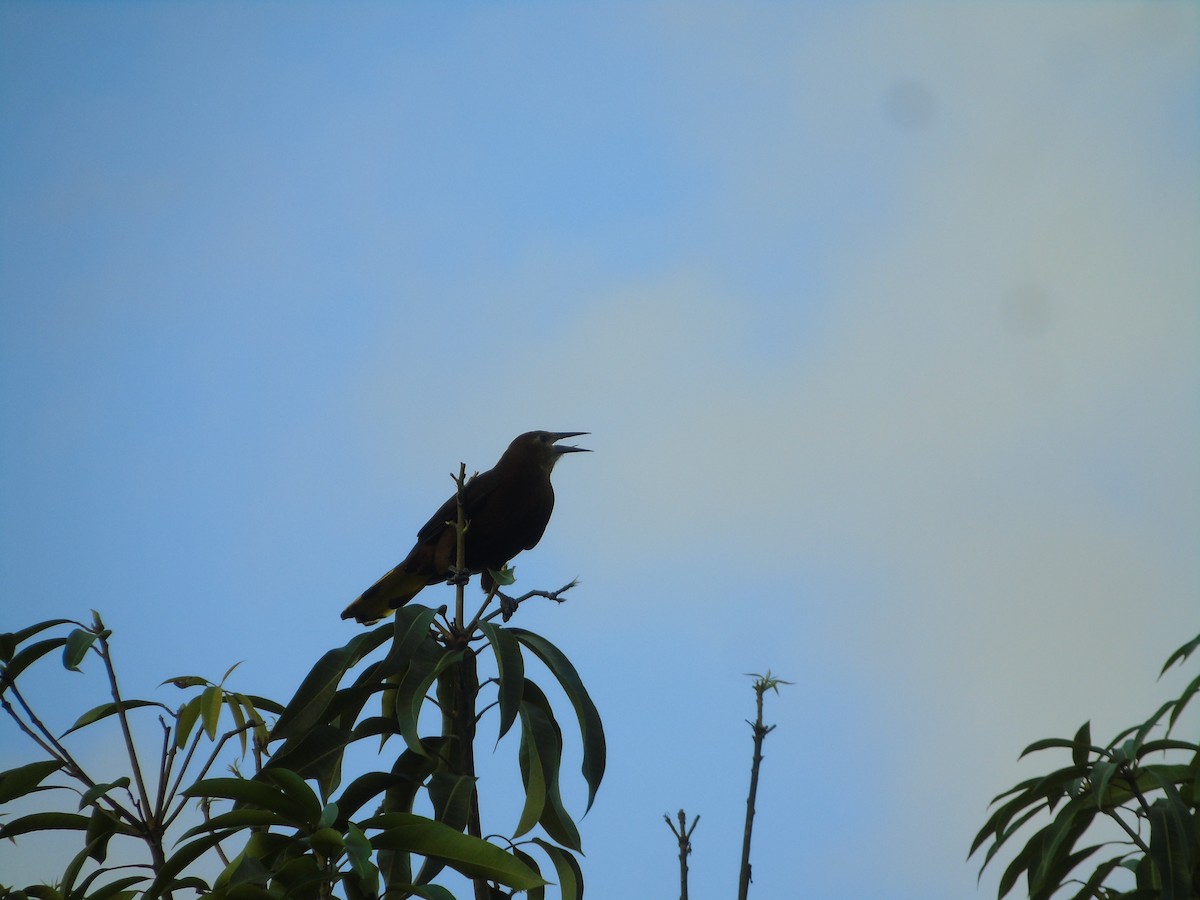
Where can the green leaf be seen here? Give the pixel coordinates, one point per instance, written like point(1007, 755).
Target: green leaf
point(533, 778)
point(1057, 842)
point(361, 791)
point(1145, 727)
point(537, 893)
point(297, 790)
point(570, 876)
point(101, 827)
point(316, 755)
point(451, 798)
point(358, 851)
point(1102, 773)
point(117, 890)
point(186, 681)
point(1082, 745)
point(409, 630)
point(1090, 888)
point(210, 710)
point(1171, 843)
point(311, 701)
point(230, 671)
point(591, 729)
point(428, 891)
point(239, 719)
point(505, 577)
point(468, 855)
point(27, 657)
point(189, 714)
point(1180, 655)
point(510, 669)
point(22, 780)
point(1047, 744)
point(10, 641)
point(236, 820)
point(537, 719)
point(329, 815)
point(263, 704)
point(253, 715)
point(104, 710)
point(254, 793)
point(1181, 703)
point(79, 642)
point(428, 663)
point(92, 794)
point(47, 821)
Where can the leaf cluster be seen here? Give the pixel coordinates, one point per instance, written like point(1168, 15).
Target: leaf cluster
point(1148, 786)
point(299, 832)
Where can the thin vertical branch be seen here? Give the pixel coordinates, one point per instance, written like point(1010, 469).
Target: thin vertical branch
point(762, 683)
point(467, 681)
point(683, 835)
point(460, 561)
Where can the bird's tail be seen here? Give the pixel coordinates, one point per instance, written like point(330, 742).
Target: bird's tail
point(389, 593)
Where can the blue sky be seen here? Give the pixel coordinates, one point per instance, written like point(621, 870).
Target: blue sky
point(883, 316)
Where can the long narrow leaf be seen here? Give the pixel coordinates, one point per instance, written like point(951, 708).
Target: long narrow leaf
point(538, 717)
point(1180, 655)
point(253, 793)
point(309, 704)
point(471, 856)
point(47, 821)
point(591, 729)
point(316, 754)
point(28, 656)
point(296, 789)
point(104, 710)
point(11, 640)
point(1170, 846)
point(20, 781)
point(566, 866)
point(409, 630)
point(238, 818)
point(510, 669)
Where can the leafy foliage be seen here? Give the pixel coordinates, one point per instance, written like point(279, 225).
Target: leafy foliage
point(1149, 787)
point(296, 830)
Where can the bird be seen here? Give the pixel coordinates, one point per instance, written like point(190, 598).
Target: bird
point(506, 509)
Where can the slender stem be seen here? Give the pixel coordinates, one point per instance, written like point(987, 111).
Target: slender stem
point(164, 770)
point(50, 743)
point(1133, 835)
point(53, 748)
point(212, 758)
point(475, 620)
point(760, 733)
point(138, 779)
point(517, 601)
point(460, 562)
point(467, 685)
point(683, 835)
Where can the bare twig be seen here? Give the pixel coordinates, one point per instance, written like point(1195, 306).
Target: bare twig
point(683, 835)
point(149, 813)
point(762, 684)
point(509, 604)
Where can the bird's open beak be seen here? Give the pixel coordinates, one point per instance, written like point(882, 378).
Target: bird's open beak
point(563, 435)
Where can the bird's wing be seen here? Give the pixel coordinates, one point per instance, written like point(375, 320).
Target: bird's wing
point(474, 496)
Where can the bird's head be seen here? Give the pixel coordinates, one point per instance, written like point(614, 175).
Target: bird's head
point(543, 447)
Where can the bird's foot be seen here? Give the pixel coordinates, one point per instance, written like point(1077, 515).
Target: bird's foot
point(458, 576)
point(508, 606)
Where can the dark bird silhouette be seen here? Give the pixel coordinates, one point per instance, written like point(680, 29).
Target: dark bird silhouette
point(506, 508)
